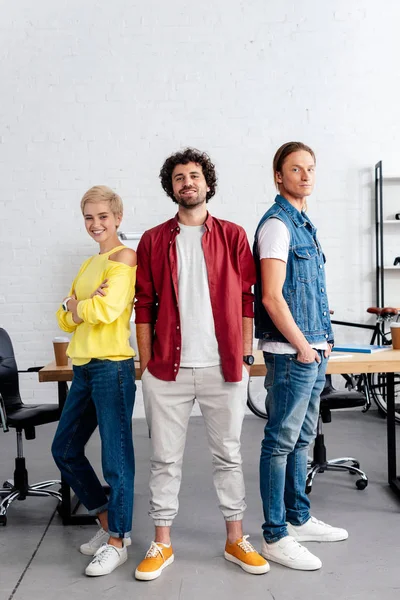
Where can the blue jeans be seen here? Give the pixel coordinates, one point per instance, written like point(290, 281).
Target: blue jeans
point(293, 395)
point(102, 393)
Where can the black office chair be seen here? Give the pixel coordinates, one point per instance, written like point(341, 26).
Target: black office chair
point(332, 399)
point(22, 417)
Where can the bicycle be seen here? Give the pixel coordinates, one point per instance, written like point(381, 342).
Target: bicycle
point(372, 385)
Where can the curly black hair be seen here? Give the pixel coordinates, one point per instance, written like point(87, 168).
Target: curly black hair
point(183, 158)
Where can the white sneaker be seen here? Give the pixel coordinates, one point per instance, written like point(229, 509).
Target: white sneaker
point(289, 553)
point(106, 559)
point(100, 538)
point(316, 531)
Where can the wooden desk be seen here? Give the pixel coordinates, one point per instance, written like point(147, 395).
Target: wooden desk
point(62, 374)
point(386, 361)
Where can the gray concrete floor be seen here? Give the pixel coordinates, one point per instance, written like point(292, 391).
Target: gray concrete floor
point(39, 556)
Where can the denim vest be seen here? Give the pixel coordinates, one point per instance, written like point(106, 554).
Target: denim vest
point(304, 289)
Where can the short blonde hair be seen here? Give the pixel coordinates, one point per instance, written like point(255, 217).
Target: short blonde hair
point(102, 193)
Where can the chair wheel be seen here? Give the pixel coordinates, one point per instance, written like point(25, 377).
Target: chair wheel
point(361, 484)
point(308, 489)
point(9, 484)
point(3, 520)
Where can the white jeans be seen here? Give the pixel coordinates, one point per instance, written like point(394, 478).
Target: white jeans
point(168, 405)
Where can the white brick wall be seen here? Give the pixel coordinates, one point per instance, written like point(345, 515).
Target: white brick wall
point(100, 92)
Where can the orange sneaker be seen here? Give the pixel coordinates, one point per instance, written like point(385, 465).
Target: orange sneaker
point(242, 553)
point(158, 557)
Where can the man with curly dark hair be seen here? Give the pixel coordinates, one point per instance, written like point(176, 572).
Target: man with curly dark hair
point(183, 158)
point(194, 323)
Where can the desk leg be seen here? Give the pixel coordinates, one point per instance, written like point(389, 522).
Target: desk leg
point(65, 509)
point(394, 481)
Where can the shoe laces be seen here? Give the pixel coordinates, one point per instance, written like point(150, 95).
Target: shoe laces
point(104, 553)
point(154, 551)
point(245, 545)
point(97, 535)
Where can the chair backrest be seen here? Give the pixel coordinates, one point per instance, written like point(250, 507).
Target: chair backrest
point(9, 386)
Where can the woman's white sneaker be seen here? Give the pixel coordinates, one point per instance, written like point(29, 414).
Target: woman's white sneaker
point(106, 559)
point(316, 531)
point(289, 553)
point(100, 538)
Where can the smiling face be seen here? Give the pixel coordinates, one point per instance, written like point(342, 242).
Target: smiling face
point(100, 222)
point(296, 179)
point(189, 185)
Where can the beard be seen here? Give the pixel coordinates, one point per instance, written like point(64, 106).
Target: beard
point(191, 202)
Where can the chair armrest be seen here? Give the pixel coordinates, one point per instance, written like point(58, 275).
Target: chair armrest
point(3, 418)
point(31, 370)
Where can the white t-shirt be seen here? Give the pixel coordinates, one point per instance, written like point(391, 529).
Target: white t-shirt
point(199, 343)
point(274, 242)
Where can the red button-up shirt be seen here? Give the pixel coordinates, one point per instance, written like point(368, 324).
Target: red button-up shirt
point(231, 274)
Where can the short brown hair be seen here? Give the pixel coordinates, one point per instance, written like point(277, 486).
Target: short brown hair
point(183, 158)
point(283, 152)
point(102, 193)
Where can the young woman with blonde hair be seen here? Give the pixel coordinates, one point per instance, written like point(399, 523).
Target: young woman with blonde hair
point(97, 312)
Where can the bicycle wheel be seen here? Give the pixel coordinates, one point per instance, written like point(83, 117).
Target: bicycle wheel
point(256, 394)
point(377, 385)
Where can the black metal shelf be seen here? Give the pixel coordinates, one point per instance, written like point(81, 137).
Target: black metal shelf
point(379, 271)
point(380, 267)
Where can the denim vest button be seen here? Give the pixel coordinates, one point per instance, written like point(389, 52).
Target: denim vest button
point(324, 313)
point(320, 266)
point(322, 290)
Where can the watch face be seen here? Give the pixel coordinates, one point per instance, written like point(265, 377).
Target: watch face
point(249, 360)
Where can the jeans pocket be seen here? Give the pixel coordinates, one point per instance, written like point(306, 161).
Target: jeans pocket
point(304, 364)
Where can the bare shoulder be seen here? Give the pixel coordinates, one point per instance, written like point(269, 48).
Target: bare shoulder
point(127, 256)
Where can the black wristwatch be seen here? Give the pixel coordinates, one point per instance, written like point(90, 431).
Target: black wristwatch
point(248, 359)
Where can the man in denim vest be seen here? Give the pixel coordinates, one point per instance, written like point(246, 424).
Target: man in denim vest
point(294, 331)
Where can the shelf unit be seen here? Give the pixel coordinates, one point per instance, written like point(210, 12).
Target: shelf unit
point(380, 222)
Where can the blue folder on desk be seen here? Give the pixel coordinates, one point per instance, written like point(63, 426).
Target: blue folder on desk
point(363, 349)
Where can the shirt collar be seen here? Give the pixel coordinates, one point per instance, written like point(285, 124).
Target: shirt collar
point(208, 223)
point(300, 219)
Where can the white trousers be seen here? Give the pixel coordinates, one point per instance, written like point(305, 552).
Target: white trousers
point(168, 405)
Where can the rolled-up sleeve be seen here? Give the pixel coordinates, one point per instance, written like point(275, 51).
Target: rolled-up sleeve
point(145, 294)
point(64, 318)
point(248, 273)
point(120, 292)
